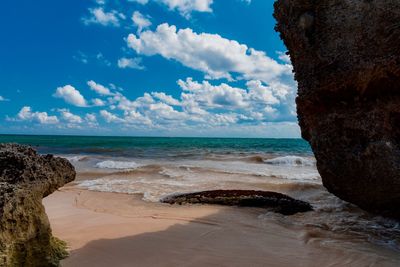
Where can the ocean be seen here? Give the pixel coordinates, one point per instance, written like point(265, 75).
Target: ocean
point(155, 167)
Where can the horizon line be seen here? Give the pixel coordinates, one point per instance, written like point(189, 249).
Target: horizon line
point(152, 136)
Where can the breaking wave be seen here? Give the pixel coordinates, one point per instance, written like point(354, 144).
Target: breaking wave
point(291, 161)
point(75, 158)
point(118, 165)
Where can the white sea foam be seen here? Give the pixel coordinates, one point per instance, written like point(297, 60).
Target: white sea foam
point(158, 178)
point(74, 158)
point(152, 190)
point(305, 172)
point(109, 185)
point(291, 161)
point(118, 165)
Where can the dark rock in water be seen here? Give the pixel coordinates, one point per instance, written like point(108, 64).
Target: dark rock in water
point(346, 59)
point(247, 198)
point(25, 233)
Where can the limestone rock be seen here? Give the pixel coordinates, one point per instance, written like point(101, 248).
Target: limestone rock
point(277, 202)
point(346, 59)
point(25, 179)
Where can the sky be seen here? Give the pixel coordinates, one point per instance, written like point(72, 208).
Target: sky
point(201, 68)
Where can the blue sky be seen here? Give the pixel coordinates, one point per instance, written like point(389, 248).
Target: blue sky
point(144, 67)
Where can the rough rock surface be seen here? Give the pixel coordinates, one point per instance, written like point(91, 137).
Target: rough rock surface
point(247, 198)
point(346, 58)
point(26, 178)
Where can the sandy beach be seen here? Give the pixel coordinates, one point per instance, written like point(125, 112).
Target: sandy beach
point(112, 229)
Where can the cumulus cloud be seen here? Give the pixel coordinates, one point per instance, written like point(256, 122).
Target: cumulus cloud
point(202, 104)
point(91, 120)
point(184, 7)
point(97, 102)
point(90, 117)
point(209, 96)
point(142, 2)
point(26, 114)
point(70, 117)
point(284, 57)
point(131, 63)
point(140, 21)
point(255, 103)
point(212, 54)
point(100, 16)
point(111, 118)
point(166, 98)
point(98, 88)
point(71, 96)
point(74, 97)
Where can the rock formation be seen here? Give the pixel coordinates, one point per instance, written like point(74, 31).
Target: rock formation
point(247, 198)
point(346, 59)
point(26, 178)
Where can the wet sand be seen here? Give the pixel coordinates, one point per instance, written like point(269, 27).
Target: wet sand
point(111, 229)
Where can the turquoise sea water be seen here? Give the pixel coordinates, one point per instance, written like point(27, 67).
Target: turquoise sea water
point(156, 167)
point(157, 146)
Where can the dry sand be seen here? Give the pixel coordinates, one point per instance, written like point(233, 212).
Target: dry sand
point(109, 229)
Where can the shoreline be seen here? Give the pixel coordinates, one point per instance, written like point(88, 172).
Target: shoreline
point(114, 229)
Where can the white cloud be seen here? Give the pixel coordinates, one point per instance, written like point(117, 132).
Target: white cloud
point(26, 114)
point(142, 2)
point(184, 7)
point(264, 94)
point(132, 63)
point(97, 102)
point(92, 58)
point(71, 96)
point(162, 111)
point(255, 103)
point(81, 57)
point(98, 88)
point(2, 99)
point(102, 60)
point(166, 98)
point(284, 57)
point(212, 54)
point(99, 16)
point(70, 117)
point(111, 118)
point(91, 120)
point(90, 117)
point(202, 104)
point(209, 96)
point(140, 21)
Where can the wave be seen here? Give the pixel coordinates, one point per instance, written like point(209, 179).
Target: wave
point(118, 165)
point(75, 158)
point(291, 161)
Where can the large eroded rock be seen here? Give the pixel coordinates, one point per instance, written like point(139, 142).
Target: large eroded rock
point(25, 179)
point(274, 201)
point(346, 58)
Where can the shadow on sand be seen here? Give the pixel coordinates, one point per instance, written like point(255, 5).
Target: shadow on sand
point(230, 237)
